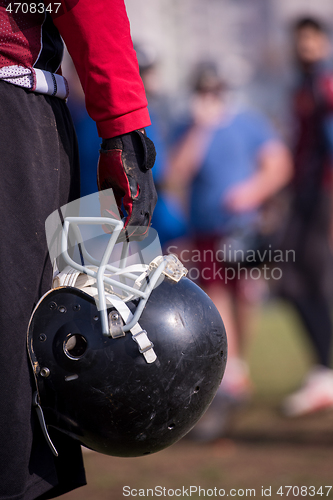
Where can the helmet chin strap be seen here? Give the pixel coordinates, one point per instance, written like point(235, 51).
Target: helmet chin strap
point(138, 334)
point(116, 320)
point(103, 278)
point(40, 415)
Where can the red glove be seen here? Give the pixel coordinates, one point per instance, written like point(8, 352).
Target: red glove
point(124, 165)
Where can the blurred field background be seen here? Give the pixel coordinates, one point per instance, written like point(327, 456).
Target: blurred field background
point(262, 448)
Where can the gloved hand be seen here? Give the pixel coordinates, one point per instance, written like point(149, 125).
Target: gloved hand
point(124, 165)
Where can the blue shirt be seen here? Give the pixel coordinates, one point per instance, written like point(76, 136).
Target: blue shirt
point(232, 157)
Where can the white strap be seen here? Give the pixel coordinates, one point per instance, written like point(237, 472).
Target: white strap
point(71, 277)
point(145, 346)
point(50, 83)
point(140, 336)
point(37, 80)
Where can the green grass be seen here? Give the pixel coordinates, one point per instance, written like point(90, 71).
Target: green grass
point(280, 353)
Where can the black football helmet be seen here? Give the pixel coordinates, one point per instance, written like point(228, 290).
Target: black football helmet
point(126, 358)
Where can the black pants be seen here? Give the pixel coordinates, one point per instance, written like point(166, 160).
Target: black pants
point(39, 172)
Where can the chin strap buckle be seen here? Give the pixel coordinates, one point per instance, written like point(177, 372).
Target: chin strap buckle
point(145, 345)
point(121, 315)
point(174, 269)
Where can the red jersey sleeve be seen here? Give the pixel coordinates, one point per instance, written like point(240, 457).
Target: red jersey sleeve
point(97, 35)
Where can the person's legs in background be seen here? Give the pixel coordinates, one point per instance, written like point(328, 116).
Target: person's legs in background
point(317, 390)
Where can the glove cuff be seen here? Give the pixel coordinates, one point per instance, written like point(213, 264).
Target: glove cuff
point(130, 140)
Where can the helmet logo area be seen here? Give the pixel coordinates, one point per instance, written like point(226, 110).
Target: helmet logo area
point(74, 346)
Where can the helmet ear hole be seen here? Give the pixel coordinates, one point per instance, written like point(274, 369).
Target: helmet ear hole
point(75, 345)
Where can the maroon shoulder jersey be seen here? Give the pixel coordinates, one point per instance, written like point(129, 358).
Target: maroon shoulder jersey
point(97, 36)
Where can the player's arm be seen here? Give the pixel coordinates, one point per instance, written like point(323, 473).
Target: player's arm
point(97, 35)
point(273, 173)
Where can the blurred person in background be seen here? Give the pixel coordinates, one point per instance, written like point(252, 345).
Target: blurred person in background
point(307, 282)
point(231, 161)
